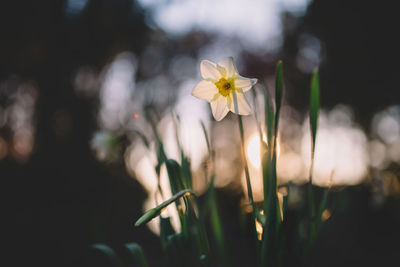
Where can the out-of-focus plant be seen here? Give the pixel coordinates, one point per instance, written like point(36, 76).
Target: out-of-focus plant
point(224, 88)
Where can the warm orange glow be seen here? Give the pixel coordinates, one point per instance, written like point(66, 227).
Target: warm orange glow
point(326, 214)
point(248, 208)
point(280, 199)
point(136, 115)
point(259, 229)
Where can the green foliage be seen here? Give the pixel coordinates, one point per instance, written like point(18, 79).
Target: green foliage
point(112, 257)
point(190, 247)
point(314, 107)
point(151, 214)
point(137, 255)
point(271, 205)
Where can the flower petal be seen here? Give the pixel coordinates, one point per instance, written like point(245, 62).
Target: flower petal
point(240, 104)
point(205, 90)
point(209, 70)
point(219, 108)
point(229, 67)
point(245, 83)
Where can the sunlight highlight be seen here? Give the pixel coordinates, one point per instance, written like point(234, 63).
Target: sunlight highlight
point(253, 150)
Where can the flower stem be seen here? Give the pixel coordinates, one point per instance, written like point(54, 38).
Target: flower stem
point(246, 167)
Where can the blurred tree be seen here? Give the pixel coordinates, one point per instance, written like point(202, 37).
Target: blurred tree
point(62, 199)
point(359, 54)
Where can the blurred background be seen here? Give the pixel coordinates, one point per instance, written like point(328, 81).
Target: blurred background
point(78, 76)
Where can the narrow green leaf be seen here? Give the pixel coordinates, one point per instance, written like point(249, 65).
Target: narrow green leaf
point(151, 214)
point(270, 230)
point(137, 254)
point(166, 230)
point(269, 248)
point(148, 216)
point(216, 224)
point(185, 162)
point(203, 127)
point(314, 112)
point(278, 94)
point(174, 246)
point(266, 156)
point(322, 207)
point(186, 171)
point(175, 176)
point(109, 253)
point(186, 219)
point(248, 182)
point(258, 123)
point(314, 106)
point(269, 116)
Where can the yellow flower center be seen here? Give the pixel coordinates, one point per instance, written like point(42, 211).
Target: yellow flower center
point(225, 86)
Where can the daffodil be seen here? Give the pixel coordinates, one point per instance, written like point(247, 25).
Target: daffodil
point(224, 88)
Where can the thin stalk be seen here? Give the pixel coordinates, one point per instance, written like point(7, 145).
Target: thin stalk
point(212, 205)
point(248, 183)
point(246, 167)
point(314, 111)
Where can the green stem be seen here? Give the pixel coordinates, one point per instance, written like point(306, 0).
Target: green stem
point(248, 183)
point(246, 167)
point(311, 203)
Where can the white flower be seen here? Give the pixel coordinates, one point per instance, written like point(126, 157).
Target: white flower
point(224, 88)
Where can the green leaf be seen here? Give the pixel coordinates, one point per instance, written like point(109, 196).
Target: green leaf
point(186, 171)
point(176, 252)
point(109, 253)
point(203, 127)
point(285, 203)
point(258, 123)
point(148, 216)
point(269, 116)
point(216, 224)
point(151, 214)
point(314, 112)
point(270, 230)
point(266, 157)
point(137, 254)
point(166, 230)
point(175, 176)
point(322, 207)
point(185, 162)
point(314, 106)
point(278, 93)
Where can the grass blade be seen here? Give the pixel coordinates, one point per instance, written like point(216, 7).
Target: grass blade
point(212, 207)
point(151, 214)
point(216, 223)
point(266, 154)
point(270, 229)
point(278, 94)
point(322, 207)
point(203, 127)
point(314, 112)
point(269, 116)
point(166, 230)
point(314, 107)
point(185, 162)
point(137, 254)
point(175, 176)
point(109, 253)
